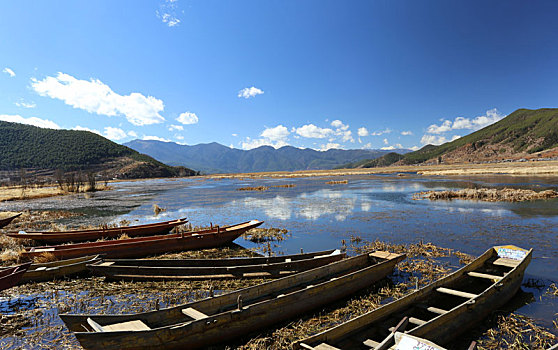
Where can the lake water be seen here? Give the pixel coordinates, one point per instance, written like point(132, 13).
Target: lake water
point(319, 215)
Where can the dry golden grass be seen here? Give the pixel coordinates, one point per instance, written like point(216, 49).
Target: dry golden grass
point(34, 192)
point(260, 235)
point(45, 257)
point(513, 168)
point(157, 209)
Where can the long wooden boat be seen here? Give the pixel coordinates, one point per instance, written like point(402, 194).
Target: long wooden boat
point(8, 220)
point(144, 246)
point(52, 237)
point(228, 316)
point(58, 269)
point(438, 312)
point(9, 276)
point(202, 269)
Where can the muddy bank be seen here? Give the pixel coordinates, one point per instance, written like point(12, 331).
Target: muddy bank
point(488, 195)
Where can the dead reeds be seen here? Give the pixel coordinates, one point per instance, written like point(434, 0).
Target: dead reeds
point(255, 188)
point(339, 182)
point(488, 194)
point(266, 234)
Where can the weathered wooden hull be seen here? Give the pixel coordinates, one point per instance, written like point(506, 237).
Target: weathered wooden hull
point(7, 221)
point(202, 269)
point(435, 323)
point(10, 276)
point(55, 237)
point(58, 269)
point(219, 319)
point(145, 246)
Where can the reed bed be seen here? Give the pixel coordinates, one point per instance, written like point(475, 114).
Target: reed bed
point(488, 195)
point(285, 186)
point(253, 188)
point(266, 234)
point(338, 182)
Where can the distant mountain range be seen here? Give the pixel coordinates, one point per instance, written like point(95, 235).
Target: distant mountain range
point(216, 158)
point(524, 134)
point(30, 147)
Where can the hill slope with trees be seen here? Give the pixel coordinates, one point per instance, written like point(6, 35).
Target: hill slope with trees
point(31, 147)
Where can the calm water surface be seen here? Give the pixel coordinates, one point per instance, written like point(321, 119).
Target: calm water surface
point(319, 215)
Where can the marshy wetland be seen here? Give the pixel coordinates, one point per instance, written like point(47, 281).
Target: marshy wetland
point(310, 213)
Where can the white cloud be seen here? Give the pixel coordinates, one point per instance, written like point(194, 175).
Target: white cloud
point(406, 133)
point(179, 137)
point(22, 103)
point(439, 129)
point(390, 148)
point(187, 118)
point(9, 72)
point(313, 131)
point(83, 128)
point(41, 123)
point(490, 117)
point(363, 132)
point(367, 146)
point(168, 13)
point(235, 135)
point(250, 92)
point(342, 130)
point(386, 142)
point(379, 133)
point(114, 133)
point(132, 133)
point(414, 148)
point(275, 137)
point(176, 127)
point(275, 134)
point(339, 125)
point(156, 138)
point(96, 97)
point(330, 145)
point(436, 140)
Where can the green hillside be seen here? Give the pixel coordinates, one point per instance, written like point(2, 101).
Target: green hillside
point(26, 146)
point(520, 134)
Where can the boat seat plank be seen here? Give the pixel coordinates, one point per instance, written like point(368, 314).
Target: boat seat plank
point(106, 263)
point(371, 343)
point(193, 313)
point(506, 262)
point(324, 346)
point(433, 309)
point(457, 293)
point(40, 268)
point(416, 321)
point(134, 325)
point(381, 254)
point(484, 275)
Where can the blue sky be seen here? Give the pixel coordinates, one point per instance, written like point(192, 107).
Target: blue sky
point(318, 74)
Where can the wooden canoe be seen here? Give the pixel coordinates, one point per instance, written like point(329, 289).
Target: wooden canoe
point(202, 269)
point(52, 237)
point(231, 315)
point(145, 246)
point(8, 220)
point(9, 276)
point(438, 312)
point(58, 269)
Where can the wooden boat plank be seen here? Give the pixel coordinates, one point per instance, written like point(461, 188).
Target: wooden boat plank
point(444, 327)
point(225, 320)
point(193, 313)
point(144, 246)
point(484, 275)
point(57, 269)
point(457, 293)
point(111, 270)
point(6, 221)
point(506, 262)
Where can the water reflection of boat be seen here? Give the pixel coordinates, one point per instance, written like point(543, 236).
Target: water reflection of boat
point(8, 220)
point(57, 269)
point(144, 246)
point(438, 312)
point(95, 234)
point(9, 276)
point(203, 269)
point(228, 316)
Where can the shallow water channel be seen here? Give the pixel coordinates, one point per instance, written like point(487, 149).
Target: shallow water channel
point(320, 215)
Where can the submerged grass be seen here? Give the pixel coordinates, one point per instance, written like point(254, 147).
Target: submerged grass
point(266, 234)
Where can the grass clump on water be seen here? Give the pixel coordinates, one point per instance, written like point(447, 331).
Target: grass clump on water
point(488, 195)
point(266, 234)
point(254, 188)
